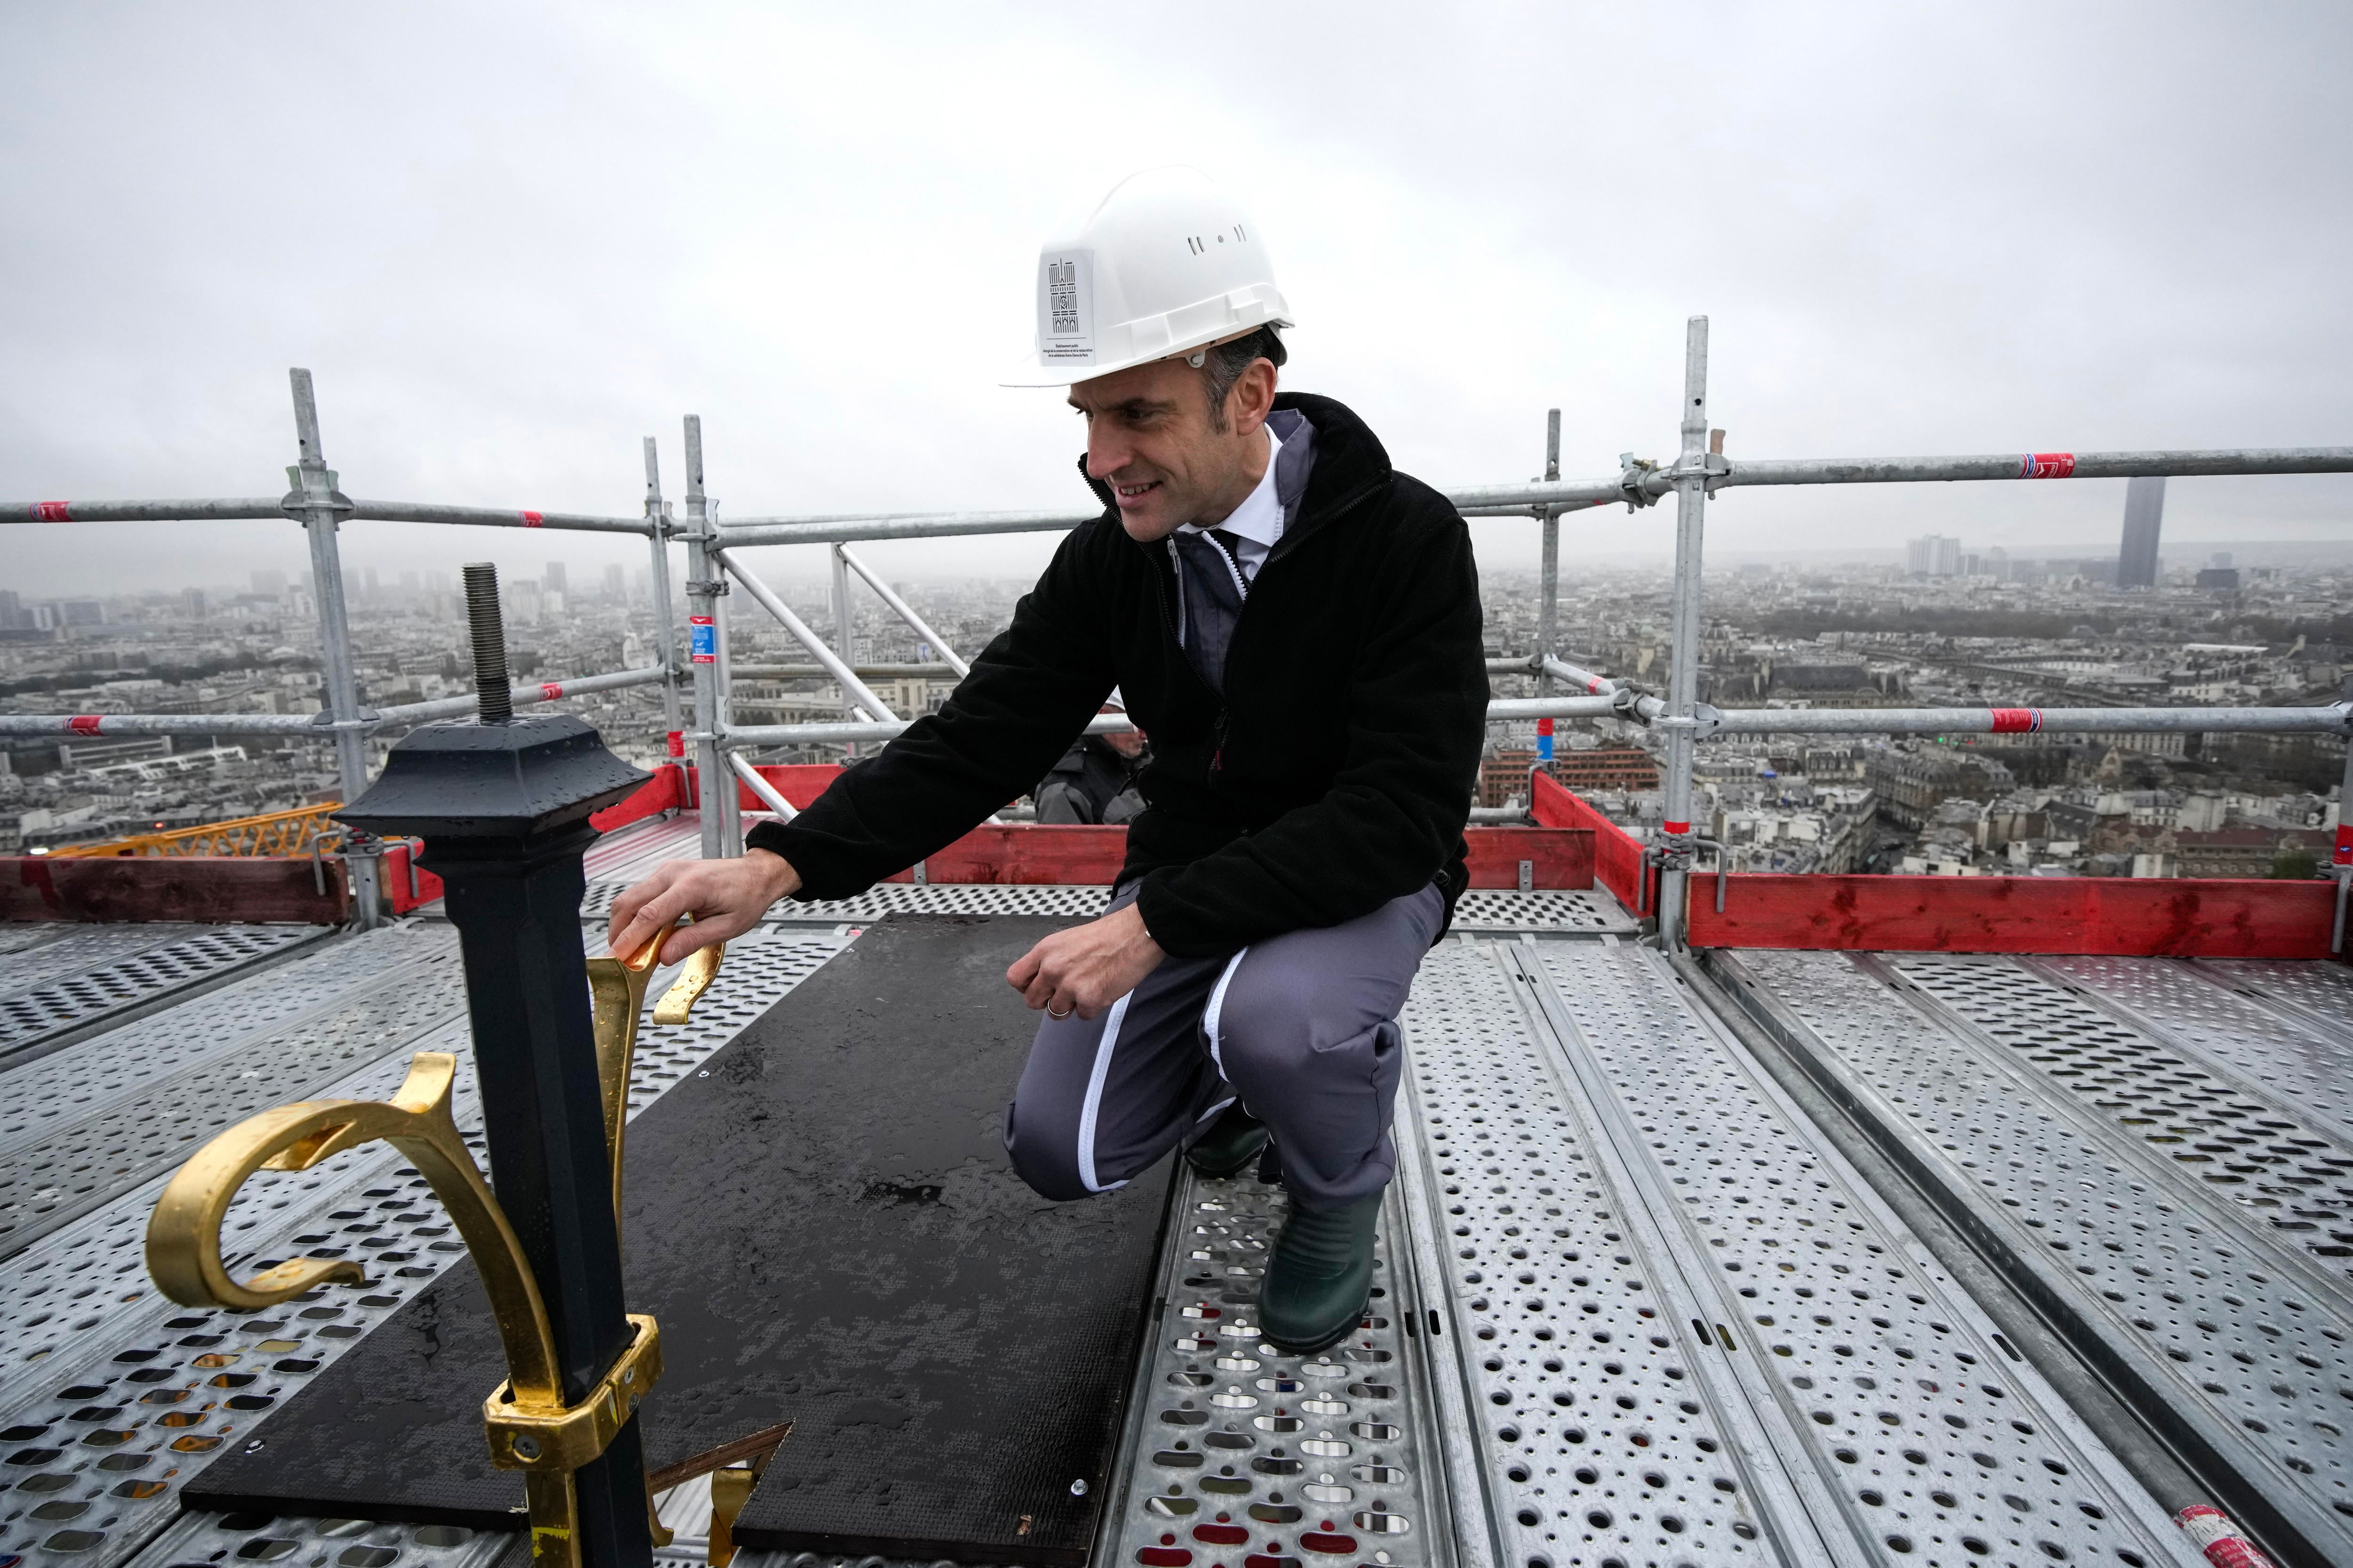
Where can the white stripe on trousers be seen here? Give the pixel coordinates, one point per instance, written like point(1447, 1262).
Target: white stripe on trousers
point(1213, 1016)
point(1093, 1102)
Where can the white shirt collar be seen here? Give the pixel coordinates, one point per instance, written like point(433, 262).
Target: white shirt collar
point(1260, 517)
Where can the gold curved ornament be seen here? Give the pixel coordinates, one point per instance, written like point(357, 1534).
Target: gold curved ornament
point(183, 1249)
point(526, 1421)
point(617, 991)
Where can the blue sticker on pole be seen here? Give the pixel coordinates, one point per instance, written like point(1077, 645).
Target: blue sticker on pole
point(704, 639)
point(1543, 748)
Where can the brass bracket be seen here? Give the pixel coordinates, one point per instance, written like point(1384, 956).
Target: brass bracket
point(564, 1438)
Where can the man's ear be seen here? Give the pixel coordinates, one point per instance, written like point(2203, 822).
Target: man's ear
point(1252, 397)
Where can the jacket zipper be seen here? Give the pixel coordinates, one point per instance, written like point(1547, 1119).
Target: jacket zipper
point(1176, 571)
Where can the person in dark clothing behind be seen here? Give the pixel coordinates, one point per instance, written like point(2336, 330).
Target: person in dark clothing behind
point(1297, 627)
point(1098, 780)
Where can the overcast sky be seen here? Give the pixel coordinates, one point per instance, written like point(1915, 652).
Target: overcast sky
point(512, 239)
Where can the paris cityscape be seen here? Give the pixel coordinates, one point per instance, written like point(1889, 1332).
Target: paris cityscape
point(1942, 621)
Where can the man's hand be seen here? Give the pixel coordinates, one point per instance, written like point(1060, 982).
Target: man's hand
point(726, 898)
point(1087, 968)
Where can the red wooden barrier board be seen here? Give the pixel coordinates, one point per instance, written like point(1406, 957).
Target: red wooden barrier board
point(1616, 854)
point(2137, 917)
point(1558, 856)
point(1029, 852)
point(220, 889)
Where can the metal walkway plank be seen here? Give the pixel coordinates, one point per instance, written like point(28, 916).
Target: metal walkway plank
point(2269, 1052)
point(1235, 1449)
point(2260, 1164)
point(64, 986)
point(111, 1404)
point(131, 1058)
point(37, 953)
point(1593, 1442)
point(2321, 993)
point(68, 1170)
point(2160, 1284)
point(1899, 1393)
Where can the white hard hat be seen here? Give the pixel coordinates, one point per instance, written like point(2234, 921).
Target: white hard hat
point(1166, 264)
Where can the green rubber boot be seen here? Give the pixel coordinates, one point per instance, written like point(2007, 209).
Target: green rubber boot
point(1232, 1141)
point(1320, 1277)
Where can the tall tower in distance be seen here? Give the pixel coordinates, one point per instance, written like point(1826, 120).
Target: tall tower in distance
point(2144, 514)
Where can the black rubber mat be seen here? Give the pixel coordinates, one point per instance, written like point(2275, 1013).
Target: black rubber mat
point(823, 1223)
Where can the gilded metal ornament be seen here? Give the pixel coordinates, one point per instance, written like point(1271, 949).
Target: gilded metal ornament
point(528, 1424)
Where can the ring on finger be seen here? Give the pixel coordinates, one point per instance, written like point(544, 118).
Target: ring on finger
point(1063, 1013)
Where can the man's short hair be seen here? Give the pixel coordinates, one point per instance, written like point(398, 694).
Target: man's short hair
point(1226, 363)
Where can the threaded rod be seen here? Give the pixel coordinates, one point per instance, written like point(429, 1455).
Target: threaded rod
point(494, 696)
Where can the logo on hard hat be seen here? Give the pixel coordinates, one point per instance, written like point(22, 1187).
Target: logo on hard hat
point(1066, 309)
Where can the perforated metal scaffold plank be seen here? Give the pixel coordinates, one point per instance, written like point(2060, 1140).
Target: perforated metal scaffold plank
point(1935, 1435)
point(2277, 1050)
point(1749, 1357)
point(887, 899)
point(1589, 1433)
point(2188, 1117)
point(1236, 1451)
point(208, 1538)
point(2051, 1129)
point(56, 987)
point(90, 1122)
point(111, 1399)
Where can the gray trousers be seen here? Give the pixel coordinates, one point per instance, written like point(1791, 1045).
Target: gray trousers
point(1302, 1029)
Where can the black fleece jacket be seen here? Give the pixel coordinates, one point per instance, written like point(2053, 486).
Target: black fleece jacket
point(1333, 775)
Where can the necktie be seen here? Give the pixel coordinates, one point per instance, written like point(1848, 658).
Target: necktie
point(1209, 578)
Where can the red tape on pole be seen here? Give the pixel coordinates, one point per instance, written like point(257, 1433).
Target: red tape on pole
point(1676, 827)
point(84, 723)
point(2047, 465)
point(2344, 842)
point(531, 519)
point(2017, 720)
point(551, 690)
point(52, 511)
point(2211, 1531)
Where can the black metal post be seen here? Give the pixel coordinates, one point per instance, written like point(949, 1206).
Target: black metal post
point(502, 805)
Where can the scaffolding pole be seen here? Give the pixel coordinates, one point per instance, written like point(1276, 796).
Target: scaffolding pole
point(1548, 575)
point(874, 708)
point(321, 509)
point(658, 530)
point(705, 607)
point(1689, 477)
point(523, 695)
point(845, 626)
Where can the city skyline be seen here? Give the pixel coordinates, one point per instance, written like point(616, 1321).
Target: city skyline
point(480, 337)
